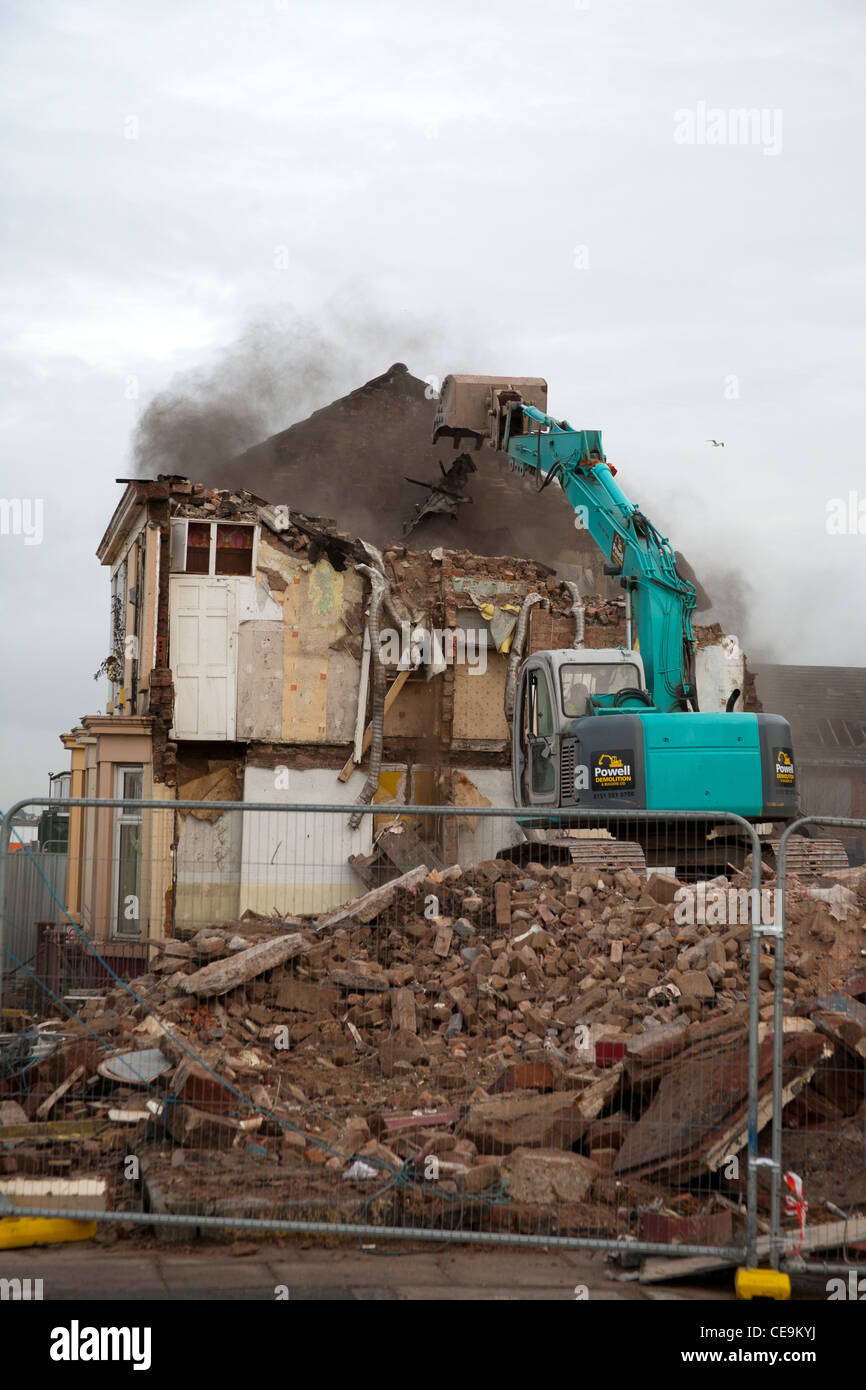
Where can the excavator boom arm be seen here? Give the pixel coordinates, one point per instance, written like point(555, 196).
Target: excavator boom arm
point(662, 601)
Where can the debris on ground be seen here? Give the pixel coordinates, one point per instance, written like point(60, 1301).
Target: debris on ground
point(552, 1051)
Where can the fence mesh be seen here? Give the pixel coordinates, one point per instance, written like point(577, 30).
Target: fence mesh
point(442, 1023)
point(812, 1200)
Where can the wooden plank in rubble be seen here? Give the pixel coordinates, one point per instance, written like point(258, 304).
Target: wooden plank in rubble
point(393, 691)
point(700, 1111)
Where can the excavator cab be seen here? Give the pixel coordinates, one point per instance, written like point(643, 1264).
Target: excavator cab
point(555, 689)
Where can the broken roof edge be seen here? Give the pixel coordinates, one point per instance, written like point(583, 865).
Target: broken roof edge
point(119, 525)
point(189, 497)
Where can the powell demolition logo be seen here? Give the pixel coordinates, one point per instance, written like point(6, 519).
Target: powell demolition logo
point(784, 767)
point(613, 771)
point(617, 550)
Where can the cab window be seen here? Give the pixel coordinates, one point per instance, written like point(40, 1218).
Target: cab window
point(578, 683)
point(538, 731)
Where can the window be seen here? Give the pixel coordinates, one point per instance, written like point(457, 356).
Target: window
point(213, 548)
point(595, 678)
point(59, 784)
point(198, 548)
point(126, 916)
point(538, 730)
point(234, 550)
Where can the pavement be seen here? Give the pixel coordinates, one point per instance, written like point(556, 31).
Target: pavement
point(255, 1271)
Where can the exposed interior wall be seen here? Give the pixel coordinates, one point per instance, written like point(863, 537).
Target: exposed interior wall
point(208, 855)
point(297, 679)
point(479, 696)
point(481, 837)
point(158, 830)
point(298, 862)
point(415, 712)
point(208, 876)
point(720, 669)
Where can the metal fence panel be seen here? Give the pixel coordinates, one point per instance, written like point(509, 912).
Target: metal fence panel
point(816, 1162)
point(34, 884)
point(429, 1026)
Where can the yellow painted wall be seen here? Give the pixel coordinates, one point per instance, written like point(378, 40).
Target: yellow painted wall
point(312, 604)
point(479, 700)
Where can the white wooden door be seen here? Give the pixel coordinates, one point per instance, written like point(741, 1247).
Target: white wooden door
point(203, 635)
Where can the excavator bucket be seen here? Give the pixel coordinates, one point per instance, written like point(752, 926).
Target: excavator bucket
point(470, 407)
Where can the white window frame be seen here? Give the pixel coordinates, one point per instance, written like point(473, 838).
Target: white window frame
point(124, 817)
point(179, 531)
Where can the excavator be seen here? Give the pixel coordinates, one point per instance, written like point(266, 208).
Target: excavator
point(620, 729)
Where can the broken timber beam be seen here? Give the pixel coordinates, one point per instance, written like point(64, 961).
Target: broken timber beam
point(403, 1012)
point(393, 691)
point(61, 1090)
point(371, 904)
point(699, 1113)
point(222, 975)
point(402, 844)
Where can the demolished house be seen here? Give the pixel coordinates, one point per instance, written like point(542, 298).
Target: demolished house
point(252, 649)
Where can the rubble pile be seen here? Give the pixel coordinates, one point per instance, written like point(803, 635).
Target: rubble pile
point(547, 1047)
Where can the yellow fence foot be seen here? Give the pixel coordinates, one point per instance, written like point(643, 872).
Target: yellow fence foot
point(762, 1283)
point(17, 1232)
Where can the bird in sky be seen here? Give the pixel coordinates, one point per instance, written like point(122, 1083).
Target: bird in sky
point(716, 443)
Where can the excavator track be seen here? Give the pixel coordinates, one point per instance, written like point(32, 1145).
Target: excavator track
point(603, 854)
point(807, 857)
point(608, 856)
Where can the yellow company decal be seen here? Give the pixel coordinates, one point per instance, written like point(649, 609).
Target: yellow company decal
point(784, 767)
point(614, 770)
point(617, 550)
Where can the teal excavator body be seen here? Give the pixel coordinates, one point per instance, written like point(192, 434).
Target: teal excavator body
point(619, 729)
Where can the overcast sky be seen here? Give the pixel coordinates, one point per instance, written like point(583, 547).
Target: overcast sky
point(535, 189)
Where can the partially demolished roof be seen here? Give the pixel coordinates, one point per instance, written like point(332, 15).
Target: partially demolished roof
point(419, 576)
point(359, 460)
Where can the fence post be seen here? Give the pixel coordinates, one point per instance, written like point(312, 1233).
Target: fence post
point(755, 937)
point(5, 832)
